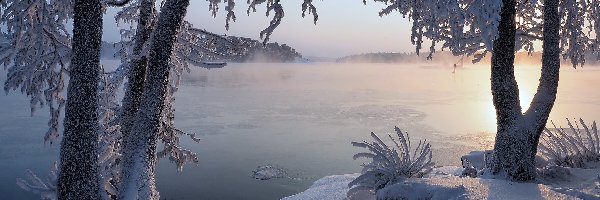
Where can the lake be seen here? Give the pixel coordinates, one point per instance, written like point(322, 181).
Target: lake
point(302, 118)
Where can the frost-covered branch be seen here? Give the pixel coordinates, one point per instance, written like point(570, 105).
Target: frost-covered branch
point(109, 145)
point(46, 189)
point(308, 6)
point(193, 46)
point(457, 25)
point(277, 17)
point(117, 3)
point(35, 49)
point(272, 5)
point(531, 36)
point(454, 23)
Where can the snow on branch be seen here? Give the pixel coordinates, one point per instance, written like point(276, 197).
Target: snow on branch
point(580, 20)
point(307, 5)
point(117, 3)
point(457, 25)
point(230, 13)
point(390, 165)
point(194, 46)
point(46, 189)
point(576, 146)
point(272, 5)
point(529, 24)
point(35, 49)
point(109, 147)
point(277, 17)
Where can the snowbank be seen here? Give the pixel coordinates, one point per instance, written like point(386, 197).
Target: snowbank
point(444, 184)
point(329, 187)
point(453, 187)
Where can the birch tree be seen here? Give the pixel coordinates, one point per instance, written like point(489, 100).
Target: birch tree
point(476, 27)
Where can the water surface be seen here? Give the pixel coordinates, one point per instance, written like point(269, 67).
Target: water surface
point(302, 117)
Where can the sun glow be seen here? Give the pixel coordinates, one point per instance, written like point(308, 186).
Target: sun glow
point(527, 79)
point(490, 117)
point(526, 96)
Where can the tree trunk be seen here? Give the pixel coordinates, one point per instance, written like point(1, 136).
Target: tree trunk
point(505, 90)
point(140, 156)
point(518, 134)
point(543, 101)
point(137, 72)
point(136, 76)
point(78, 177)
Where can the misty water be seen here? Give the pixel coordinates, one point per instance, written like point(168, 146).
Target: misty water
point(301, 118)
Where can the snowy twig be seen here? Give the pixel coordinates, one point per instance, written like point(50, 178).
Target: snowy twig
point(46, 189)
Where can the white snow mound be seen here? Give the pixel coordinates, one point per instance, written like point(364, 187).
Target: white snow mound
point(329, 187)
point(436, 187)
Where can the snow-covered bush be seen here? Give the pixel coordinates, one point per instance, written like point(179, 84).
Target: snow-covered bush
point(578, 146)
point(390, 165)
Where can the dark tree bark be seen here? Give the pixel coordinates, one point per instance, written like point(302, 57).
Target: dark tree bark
point(543, 101)
point(78, 177)
point(518, 134)
point(140, 158)
point(137, 73)
point(505, 90)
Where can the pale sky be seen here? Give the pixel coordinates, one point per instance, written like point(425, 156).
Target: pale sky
point(345, 27)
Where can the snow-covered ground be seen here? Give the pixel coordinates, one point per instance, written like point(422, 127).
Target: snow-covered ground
point(445, 183)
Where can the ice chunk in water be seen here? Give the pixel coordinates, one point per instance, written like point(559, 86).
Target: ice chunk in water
point(267, 172)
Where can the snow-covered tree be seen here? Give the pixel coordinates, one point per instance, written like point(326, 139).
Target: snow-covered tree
point(173, 45)
point(518, 132)
point(140, 153)
point(37, 50)
point(78, 173)
point(475, 27)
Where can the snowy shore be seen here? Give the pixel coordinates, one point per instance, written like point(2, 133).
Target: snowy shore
point(445, 183)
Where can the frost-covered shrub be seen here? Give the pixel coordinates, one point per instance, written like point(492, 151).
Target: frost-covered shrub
point(577, 146)
point(390, 165)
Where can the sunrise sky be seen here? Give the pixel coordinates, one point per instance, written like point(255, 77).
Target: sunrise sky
point(345, 27)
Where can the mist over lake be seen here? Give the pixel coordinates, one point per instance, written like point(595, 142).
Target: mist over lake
point(302, 118)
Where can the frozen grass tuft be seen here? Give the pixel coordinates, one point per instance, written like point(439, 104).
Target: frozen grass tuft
point(46, 189)
point(390, 165)
point(577, 146)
